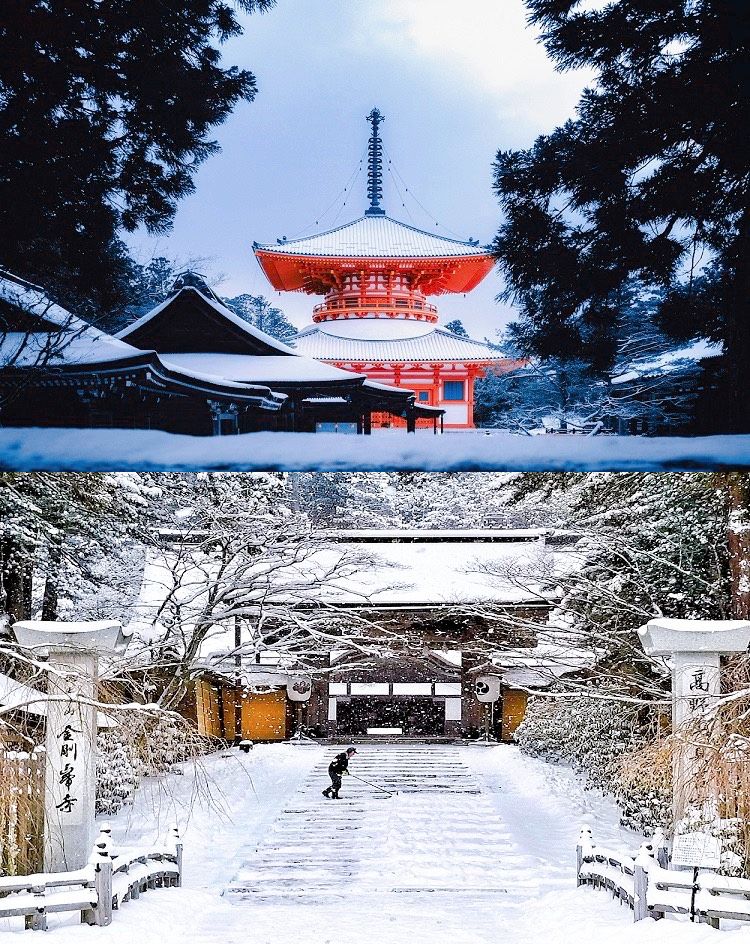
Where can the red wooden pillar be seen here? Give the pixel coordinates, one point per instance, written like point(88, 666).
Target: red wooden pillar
point(470, 395)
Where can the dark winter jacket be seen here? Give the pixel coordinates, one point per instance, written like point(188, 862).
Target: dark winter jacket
point(339, 764)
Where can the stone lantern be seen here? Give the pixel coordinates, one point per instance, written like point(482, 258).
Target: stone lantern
point(72, 651)
point(694, 648)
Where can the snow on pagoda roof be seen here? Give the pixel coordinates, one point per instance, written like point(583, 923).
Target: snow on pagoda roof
point(376, 329)
point(377, 237)
point(436, 344)
point(263, 369)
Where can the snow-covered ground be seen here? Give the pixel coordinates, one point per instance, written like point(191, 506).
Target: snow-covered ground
point(478, 450)
point(477, 847)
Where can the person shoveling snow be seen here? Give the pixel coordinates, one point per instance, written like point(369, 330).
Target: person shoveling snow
point(336, 770)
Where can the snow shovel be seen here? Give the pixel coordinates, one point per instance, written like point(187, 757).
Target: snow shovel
point(389, 793)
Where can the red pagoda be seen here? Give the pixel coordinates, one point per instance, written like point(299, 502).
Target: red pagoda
point(376, 274)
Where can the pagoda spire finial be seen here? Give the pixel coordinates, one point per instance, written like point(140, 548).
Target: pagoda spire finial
point(375, 165)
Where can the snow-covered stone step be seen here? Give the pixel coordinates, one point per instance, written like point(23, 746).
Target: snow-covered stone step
point(436, 835)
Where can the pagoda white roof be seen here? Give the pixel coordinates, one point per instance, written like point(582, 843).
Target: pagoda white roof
point(435, 344)
point(376, 328)
point(375, 236)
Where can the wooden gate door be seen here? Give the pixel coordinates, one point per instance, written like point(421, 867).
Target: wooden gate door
point(514, 708)
point(264, 716)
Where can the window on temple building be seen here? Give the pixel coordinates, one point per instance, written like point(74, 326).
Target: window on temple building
point(453, 390)
point(424, 396)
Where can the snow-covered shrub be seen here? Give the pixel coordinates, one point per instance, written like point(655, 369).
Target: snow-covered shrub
point(721, 769)
point(601, 738)
point(142, 744)
point(167, 739)
point(116, 777)
point(642, 786)
point(21, 810)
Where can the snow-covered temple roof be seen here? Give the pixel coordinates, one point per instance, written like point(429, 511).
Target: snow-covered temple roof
point(194, 332)
point(438, 535)
point(33, 329)
point(53, 340)
point(268, 370)
point(447, 572)
point(166, 318)
point(363, 573)
point(541, 665)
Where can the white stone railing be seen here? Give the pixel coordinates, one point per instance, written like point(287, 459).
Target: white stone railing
point(107, 881)
point(652, 890)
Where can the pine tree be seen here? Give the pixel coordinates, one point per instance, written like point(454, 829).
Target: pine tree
point(60, 535)
point(259, 312)
point(457, 327)
point(105, 114)
point(651, 177)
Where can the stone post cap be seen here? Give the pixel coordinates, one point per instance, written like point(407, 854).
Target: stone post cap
point(663, 637)
point(44, 636)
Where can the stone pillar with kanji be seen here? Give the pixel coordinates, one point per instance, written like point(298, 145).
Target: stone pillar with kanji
point(71, 652)
point(694, 648)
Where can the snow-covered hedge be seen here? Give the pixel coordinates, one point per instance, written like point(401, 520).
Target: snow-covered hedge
point(141, 746)
point(116, 778)
point(604, 740)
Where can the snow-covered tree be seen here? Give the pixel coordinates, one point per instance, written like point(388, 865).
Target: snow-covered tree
point(238, 560)
point(344, 499)
point(259, 312)
point(653, 383)
point(60, 533)
point(457, 327)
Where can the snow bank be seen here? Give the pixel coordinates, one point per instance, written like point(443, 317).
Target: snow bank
point(107, 449)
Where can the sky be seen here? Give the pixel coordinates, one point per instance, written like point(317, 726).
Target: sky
point(456, 82)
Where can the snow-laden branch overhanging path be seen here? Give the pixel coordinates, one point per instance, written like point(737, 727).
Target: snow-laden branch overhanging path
point(477, 847)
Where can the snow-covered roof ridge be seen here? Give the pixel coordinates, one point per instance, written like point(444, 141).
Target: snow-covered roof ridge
point(435, 343)
point(34, 299)
point(389, 535)
point(74, 342)
point(376, 236)
point(220, 309)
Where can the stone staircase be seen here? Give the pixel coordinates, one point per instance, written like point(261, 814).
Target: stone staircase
point(439, 834)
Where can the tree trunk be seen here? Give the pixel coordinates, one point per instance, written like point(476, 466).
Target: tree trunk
point(17, 573)
point(738, 331)
point(51, 584)
point(738, 540)
point(174, 691)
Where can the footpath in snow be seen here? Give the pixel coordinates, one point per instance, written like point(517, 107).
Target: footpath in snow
point(476, 847)
point(478, 450)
